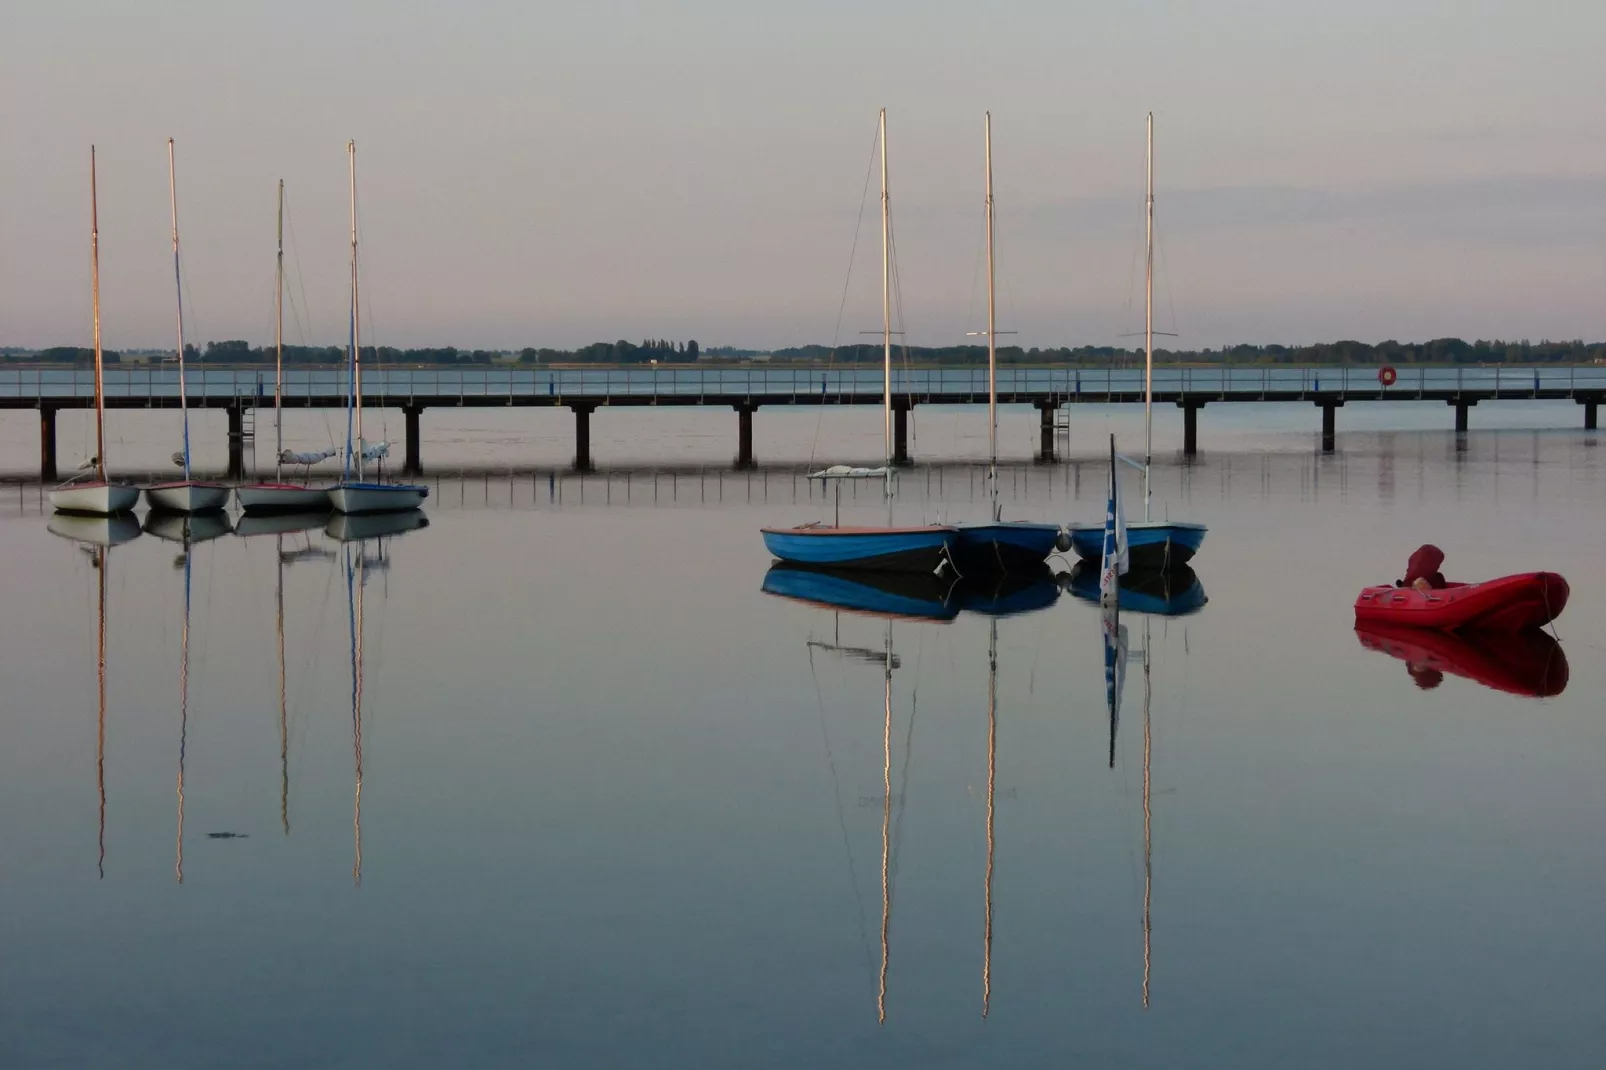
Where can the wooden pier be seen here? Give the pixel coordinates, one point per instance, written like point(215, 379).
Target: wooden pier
point(243, 392)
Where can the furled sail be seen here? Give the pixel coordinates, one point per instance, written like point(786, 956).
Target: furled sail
point(292, 457)
point(843, 471)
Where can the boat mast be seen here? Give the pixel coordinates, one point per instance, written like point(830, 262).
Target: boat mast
point(178, 286)
point(278, 361)
point(354, 380)
point(94, 285)
point(886, 310)
point(992, 336)
point(1148, 316)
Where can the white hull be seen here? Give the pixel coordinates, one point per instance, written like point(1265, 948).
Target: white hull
point(376, 498)
point(95, 499)
point(281, 498)
point(188, 497)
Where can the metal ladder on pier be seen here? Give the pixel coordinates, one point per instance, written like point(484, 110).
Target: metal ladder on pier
point(1062, 428)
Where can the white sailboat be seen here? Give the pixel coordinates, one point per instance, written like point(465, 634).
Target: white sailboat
point(1154, 544)
point(997, 544)
point(279, 496)
point(354, 493)
point(188, 495)
point(99, 496)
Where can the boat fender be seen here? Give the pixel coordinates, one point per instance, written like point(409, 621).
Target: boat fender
point(1062, 541)
point(1387, 375)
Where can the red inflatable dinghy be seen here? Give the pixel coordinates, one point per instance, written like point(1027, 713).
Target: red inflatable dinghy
point(1508, 604)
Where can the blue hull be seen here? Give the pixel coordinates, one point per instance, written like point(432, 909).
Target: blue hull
point(883, 594)
point(922, 549)
point(1004, 545)
point(1174, 593)
point(1150, 545)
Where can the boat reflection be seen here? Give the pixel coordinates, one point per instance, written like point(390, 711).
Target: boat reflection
point(187, 528)
point(1116, 653)
point(1171, 593)
point(92, 531)
point(900, 595)
point(354, 527)
point(912, 595)
point(1530, 664)
point(279, 523)
point(1010, 594)
point(97, 535)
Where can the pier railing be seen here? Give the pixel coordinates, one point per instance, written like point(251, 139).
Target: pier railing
point(681, 384)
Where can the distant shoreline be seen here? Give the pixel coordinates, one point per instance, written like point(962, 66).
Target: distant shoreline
point(898, 364)
point(1438, 352)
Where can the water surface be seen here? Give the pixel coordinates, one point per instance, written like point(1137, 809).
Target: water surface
point(608, 803)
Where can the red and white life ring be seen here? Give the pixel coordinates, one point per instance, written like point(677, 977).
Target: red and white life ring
point(1387, 375)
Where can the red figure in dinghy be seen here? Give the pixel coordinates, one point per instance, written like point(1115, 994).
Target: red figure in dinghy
point(1425, 599)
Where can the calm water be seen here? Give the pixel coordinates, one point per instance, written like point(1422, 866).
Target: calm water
point(609, 804)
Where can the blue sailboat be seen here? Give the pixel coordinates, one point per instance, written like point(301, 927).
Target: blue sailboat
point(921, 548)
point(999, 545)
point(1153, 544)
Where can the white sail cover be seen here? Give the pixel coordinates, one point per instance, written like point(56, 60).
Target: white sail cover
point(375, 451)
point(843, 471)
point(292, 457)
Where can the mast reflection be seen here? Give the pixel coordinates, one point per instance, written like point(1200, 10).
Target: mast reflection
point(96, 535)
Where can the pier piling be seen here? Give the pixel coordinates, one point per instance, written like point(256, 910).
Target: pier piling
point(900, 430)
point(744, 433)
point(1190, 426)
point(1329, 424)
point(47, 440)
point(1462, 405)
point(582, 435)
point(1590, 402)
point(412, 465)
point(236, 411)
point(1045, 428)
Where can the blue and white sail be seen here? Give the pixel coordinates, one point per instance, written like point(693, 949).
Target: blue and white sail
point(1115, 560)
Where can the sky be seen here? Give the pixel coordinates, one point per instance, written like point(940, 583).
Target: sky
point(552, 174)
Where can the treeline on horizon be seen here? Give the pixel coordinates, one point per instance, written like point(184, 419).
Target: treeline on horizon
point(1437, 351)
